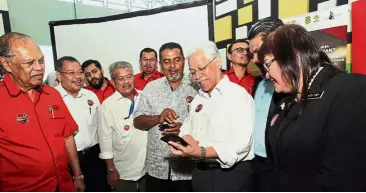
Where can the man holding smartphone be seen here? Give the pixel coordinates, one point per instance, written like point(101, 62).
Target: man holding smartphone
point(165, 101)
point(222, 120)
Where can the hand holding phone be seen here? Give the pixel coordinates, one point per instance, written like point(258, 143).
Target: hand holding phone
point(174, 128)
point(168, 115)
point(175, 138)
point(162, 127)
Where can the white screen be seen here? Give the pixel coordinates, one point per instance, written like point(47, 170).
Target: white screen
point(123, 39)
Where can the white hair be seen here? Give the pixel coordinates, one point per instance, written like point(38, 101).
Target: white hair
point(209, 49)
point(51, 79)
point(117, 65)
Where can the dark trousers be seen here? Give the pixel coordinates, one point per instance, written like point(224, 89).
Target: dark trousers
point(262, 177)
point(131, 186)
point(158, 185)
point(94, 170)
point(235, 179)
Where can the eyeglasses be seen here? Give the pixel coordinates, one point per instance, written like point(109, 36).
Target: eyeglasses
point(148, 59)
point(268, 63)
point(192, 72)
point(71, 73)
point(241, 50)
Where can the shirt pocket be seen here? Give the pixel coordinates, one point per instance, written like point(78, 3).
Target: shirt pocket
point(57, 123)
point(123, 132)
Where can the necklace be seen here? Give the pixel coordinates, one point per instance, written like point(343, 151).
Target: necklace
point(313, 78)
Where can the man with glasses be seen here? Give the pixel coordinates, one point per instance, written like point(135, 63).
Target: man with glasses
point(218, 129)
point(98, 84)
point(239, 56)
point(148, 68)
point(83, 105)
point(165, 101)
point(265, 101)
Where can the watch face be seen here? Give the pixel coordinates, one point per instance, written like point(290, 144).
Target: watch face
point(109, 171)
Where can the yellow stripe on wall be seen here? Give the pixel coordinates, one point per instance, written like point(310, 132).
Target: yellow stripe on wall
point(245, 15)
point(223, 29)
point(349, 56)
point(290, 8)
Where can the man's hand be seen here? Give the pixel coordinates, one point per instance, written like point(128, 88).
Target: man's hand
point(168, 115)
point(191, 150)
point(113, 178)
point(174, 128)
point(79, 185)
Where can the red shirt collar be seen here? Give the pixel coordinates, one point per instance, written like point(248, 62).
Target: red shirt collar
point(14, 90)
point(231, 70)
point(135, 93)
point(153, 75)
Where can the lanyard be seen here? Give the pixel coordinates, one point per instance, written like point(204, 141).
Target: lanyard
point(132, 106)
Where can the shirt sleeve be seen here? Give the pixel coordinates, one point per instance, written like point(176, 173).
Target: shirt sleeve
point(105, 132)
point(238, 128)
point(343, 167)
point(143, 107)
point(185, 129)
point(70, 125)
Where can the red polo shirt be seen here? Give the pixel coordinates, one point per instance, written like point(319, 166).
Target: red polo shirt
point(33, 156)
point(247, 81)
point(102, 94)
point(140, 82)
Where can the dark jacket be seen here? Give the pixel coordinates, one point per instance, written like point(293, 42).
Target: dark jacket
point(319, 144)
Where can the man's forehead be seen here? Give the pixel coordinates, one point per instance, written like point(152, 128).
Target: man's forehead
point(91, 67)
point(71, 65)
point(123, 71)
point(148, 55)
point(240, 44)
point(171, 53)
point(197, 58)
point(26, 49)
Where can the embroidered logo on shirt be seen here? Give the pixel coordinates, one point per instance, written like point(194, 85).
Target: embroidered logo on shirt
point(313, 96)
point(199, 107)
point(126, 128)
point(274, 119)
point(189, 99)
point(22, 118)
point(90, 103)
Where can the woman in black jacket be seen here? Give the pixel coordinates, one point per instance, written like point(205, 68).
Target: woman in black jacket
point(317, 139)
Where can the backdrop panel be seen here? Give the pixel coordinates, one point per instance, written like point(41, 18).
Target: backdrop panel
point(122, 37)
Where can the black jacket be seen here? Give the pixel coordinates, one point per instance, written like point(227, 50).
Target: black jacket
point(319, 144)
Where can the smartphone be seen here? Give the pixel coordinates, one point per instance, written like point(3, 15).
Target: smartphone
point(162, 127)
point(174, 138)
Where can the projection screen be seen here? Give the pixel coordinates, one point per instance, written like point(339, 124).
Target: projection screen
point(122, 37)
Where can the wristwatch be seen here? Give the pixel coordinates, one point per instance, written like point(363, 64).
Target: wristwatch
point(203, 153)
point(81, 177)
point(109, 171)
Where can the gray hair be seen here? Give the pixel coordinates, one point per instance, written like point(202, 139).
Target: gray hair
point(117, 65)
point(6, 41)
point(209, 49)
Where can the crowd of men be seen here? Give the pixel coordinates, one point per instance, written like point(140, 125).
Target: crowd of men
point(106, 136)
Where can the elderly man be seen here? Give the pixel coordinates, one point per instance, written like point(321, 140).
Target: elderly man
point(239, 57)
point(36, 128)
point(83, 105)
point(265, 100)
point(99, 84)
point(218, 129)
point(148, 66)
point(122, 146)
point(165, 101)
